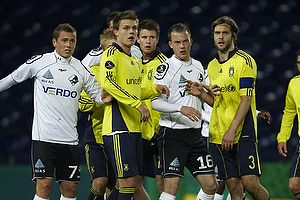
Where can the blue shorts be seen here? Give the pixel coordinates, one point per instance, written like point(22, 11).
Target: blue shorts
point(98, 164)
point(47, 157)
point(124, 153)
point(181, 148)
point(295, 165)
point(150, 161)
point(242, 160)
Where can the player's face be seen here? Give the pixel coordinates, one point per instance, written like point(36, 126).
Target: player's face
point(126, 35)
point(181, 44)
point(65, 44)
point(223, 38)
point(148, 41)
point(298, 62)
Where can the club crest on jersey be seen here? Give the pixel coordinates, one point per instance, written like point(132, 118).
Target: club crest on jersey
point(231, 71)
point(73, 79)
point(150, 74)
point(109, 65)
point(161, 71)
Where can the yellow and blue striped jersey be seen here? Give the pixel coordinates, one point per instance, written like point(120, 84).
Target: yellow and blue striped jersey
point(87, 104)
point(292, 107)
point(235, 77)
point(148, 69)
point(121, 77)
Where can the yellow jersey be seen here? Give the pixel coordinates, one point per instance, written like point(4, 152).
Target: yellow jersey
point(292, 107)
point(235, 77)
point(148, 68)
point(121, 77)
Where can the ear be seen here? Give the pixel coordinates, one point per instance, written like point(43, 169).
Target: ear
point(157, 40)
point(116, 32)
point(170, 44)
point(54, 42)
point(192, 41)
point(137, 39)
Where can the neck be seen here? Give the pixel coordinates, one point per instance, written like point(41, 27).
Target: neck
point(125, 48)
point(223, 55)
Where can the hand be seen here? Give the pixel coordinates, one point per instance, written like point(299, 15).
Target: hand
point(282, 149)
point(266, 115)
point(193, 88)
point(144, 112)
point(163, 90)
point(105, 97)
point(228, 139)
point(213, 90)
point(190, 112)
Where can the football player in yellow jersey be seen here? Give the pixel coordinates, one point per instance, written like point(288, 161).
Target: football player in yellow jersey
point(97, 162)
point(148, 37)
point(292, 108)
point(121, 129)
point(233, 123)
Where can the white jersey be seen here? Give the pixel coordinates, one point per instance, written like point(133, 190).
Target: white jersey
point(58, 83)
point(206, 111)
point(173, 73)
point(94, 56)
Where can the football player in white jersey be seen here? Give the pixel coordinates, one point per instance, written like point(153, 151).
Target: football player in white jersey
point(180, 142)
point(94, 56)
point(58, 80)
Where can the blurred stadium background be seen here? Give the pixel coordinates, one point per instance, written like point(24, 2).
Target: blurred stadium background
point(269, 31)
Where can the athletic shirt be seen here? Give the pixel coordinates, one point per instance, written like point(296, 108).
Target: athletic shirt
point(206, 112)
point(148, 68)
point(93, 132)
point(57, 86)
point(292, 107)
point(94, 56)
point(121, 77)
point(173, 73)
point(235, 77)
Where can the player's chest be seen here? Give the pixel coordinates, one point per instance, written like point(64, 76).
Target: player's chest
point(60, 76)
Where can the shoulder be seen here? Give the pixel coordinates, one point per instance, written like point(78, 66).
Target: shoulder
point(246, 58)
point(162, 70)
point(96, 52)
point(136, 51)
point(41, 58)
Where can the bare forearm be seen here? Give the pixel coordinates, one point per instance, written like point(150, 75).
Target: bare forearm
point(241, 112)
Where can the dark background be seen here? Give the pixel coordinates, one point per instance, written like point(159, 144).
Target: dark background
point(269, 31)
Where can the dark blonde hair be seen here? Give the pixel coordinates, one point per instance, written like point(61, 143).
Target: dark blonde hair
point(149, 24)
point(63, 27)
point(127, 14)
point(231, 23)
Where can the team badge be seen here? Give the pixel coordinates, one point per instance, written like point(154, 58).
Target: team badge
point(161, 71)
point(231, 71)
point(73, 79)
point(150, 74)
point(109, 65)
point(126, 167)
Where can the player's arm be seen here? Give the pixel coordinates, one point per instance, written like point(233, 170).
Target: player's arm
point(161, 105)
point(154, 90)
point(243, 108)
point(287, 122)
point(6, 83)
point(197, 89)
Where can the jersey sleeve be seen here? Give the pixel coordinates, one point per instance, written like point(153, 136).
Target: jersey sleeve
point(91, 87)
point(248, 76)
point(289, 114)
